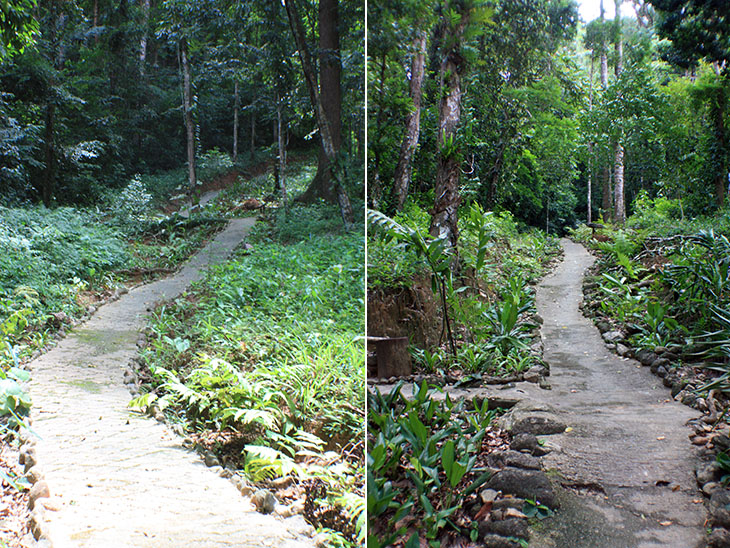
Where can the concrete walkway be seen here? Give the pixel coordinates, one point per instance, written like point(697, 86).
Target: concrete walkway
point(120, 480)
point(627, 460)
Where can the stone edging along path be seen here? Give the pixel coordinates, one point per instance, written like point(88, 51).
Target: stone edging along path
point(118, 479)
point(617, 446)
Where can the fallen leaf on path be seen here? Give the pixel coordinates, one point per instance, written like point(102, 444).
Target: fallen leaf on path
point(484, 511)
point(514, 513)
point(676, 488)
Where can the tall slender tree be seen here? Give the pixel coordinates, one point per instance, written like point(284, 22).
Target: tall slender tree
point(607, 201)
point(402, 177)
point(618, 167)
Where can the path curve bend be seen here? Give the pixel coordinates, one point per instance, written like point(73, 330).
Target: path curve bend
point(120, 480)
point(626, 460)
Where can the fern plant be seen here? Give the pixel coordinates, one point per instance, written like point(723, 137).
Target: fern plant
point(438, 255)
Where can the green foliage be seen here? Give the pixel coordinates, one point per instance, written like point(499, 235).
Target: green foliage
point(46, 257)
point(533, 509)
point(18, 26)
point(212, 164)
point(421, 460)
point(132, 204)
point(269, 345)
point(289, 315)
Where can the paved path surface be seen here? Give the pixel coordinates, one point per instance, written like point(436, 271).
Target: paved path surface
point(628, 446)
point(121, 480)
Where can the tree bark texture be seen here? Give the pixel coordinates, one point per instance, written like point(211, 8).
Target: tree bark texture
point(403, 169)
point(328, 143)
point(618, 183)
point(444, 217)
point(331, 96)
point(375, 188)
point(189, 121)
point(607, 198)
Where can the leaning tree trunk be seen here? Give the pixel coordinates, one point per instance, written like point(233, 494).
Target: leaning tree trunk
point(618, 168)
point(403, 170)
point(328, 143)
point(331, 95)
point(444, 217)
point(189, 121)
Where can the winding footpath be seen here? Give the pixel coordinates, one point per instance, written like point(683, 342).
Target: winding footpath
point(118, 479)
point(626, 461)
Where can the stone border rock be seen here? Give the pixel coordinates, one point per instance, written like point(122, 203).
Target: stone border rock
point(263, 499)
point(708, 472)
point(39, 490)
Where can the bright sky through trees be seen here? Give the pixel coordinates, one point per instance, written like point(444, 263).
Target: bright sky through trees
point(590, 9)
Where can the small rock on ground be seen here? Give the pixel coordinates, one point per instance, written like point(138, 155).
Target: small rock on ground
point(531, 484)
point(264, 501)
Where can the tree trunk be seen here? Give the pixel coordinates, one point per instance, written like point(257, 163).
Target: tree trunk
point(402, 177)
point(589, 191)
point(328, 143)
point(375, 188)
point(48, 183)
point(252, 148)
point(618, 184)
point(444, 217)
point(331, 96)
point(236, 107)
point(189, 122)
point(607, 202)
point(282, 151)
point(143, 41)
point(619, 40)
point(618, 174)
point(96, 21)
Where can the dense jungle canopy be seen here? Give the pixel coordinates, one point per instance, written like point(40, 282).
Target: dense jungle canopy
point(521, 106)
